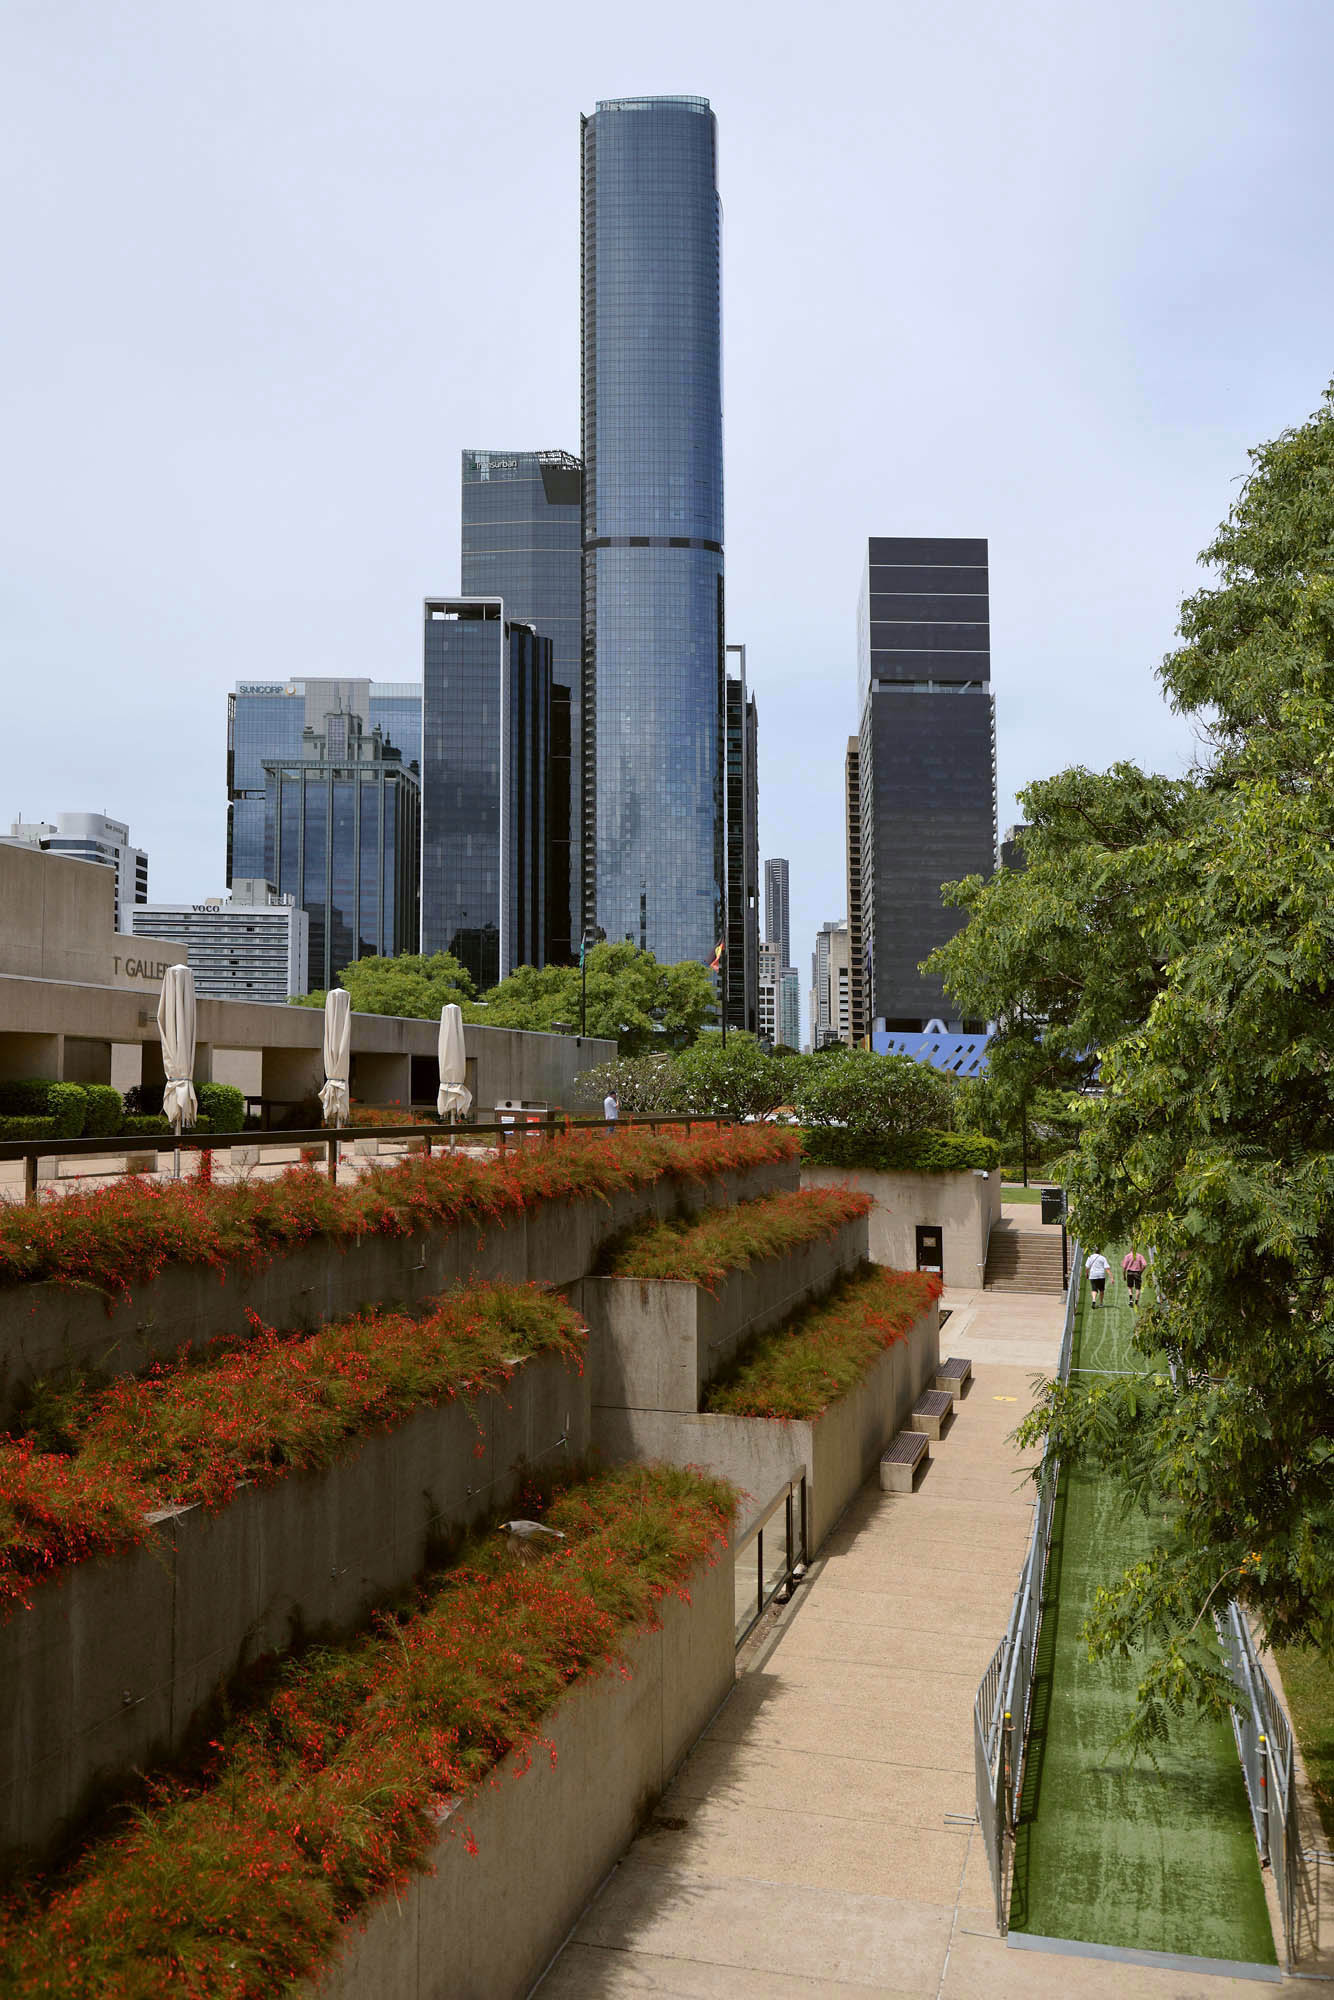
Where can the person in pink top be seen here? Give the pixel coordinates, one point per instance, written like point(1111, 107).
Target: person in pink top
point(1133, 1267)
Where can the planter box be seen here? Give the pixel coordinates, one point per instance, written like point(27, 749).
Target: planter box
point(962, 1205)
point(837, 1452)
point(46, 1328)
point(485, 1926)
point(656, 1343)
point(116, 1657)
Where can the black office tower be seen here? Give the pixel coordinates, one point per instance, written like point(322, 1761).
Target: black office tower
point(927, 759)
point(523, 542)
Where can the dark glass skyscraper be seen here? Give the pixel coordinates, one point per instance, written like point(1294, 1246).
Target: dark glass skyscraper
point(741, 798)
point(926, 759)
point(653, 670)
point(485, 761)
point(523, 542)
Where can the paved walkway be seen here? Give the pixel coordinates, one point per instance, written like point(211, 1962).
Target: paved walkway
point(805, 1848)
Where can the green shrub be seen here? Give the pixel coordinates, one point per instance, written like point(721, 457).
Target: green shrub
point(222, 1104)
point(62, 1107)
point(106, 1110)
point(25, 1128)
point(149, 1124)
point(915, 1152)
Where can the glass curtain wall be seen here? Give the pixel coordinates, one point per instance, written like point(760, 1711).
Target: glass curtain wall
point(653, 690)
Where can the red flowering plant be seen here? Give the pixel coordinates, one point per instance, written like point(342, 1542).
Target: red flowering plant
point(702, 1249)
point(112, 1237)
point(797, 1371)
point(95, 1461)
point(329, 1793)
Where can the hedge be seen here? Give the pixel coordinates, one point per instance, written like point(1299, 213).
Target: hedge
point(60, 1107)
point(106, 1111)
point(222, 1105)
point(923, 1153)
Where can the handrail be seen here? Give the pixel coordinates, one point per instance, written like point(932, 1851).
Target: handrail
point(332, 1138)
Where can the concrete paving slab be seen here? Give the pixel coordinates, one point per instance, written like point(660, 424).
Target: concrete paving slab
point(807, 1849)
point(596, 1972)
point(775, 1775)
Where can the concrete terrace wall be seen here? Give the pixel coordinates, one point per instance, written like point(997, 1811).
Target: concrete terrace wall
point(47, 1328)
point(964, 1205)
point(114, 1659)
point(837, 1452)
point(485, 1927)
point(658, 1343)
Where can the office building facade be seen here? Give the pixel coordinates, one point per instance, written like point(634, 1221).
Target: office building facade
point(926, 760)
point(741, 800)
point(831, 1003)
point(344, 818)
point(852, 807)
point(253, 946)
point(523, 543)
point(267, 720)
point(485, 811)
point(652, 701)
point(777, 913)
point(92, 837)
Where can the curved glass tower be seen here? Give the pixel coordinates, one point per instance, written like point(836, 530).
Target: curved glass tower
point(653, 665)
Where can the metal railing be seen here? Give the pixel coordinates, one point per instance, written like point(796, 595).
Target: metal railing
point(516, 1129)
point(1003, 1709)
point(768, 1555)
point(1268, 1761)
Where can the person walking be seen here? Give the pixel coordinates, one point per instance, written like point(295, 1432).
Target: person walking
point(1133, 1267)
point(1097, 1267)
point(611, 1109)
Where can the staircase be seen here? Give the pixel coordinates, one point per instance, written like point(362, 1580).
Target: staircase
point(1023, 1260)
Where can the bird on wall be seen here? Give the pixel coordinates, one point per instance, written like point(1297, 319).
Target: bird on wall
point(526, 1536)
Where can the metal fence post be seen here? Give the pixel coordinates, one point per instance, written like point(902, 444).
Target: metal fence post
point(30, 1179)
point(1262, 1758)
point(333, 1159)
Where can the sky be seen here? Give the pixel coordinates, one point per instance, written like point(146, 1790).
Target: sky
point(1039, 272)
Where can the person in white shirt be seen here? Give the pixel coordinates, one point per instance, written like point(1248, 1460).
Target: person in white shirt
point(610, 1107)
point(1097, 1267)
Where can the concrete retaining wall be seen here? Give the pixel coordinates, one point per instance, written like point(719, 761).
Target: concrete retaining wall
point(47, 1328)
point(963, 1205)
point(114, 1659)
point(837, 1452)
point(657, 1343)
point(484, 1927)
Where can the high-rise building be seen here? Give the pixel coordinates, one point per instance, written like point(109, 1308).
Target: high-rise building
point(777, 917)
point(852, 798)
point(927, 759)
point(268, 719)
point(831, 1002)
point(652, 711)
point(741, 798)
point(523, 542)
point(789, 1007)
point(767, 994)
point(92, 837)
point(254, 946)
point(485, 813)
point(344, 818)
point(1012, 853)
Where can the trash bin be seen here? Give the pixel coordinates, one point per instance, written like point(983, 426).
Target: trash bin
point(1053, 1204)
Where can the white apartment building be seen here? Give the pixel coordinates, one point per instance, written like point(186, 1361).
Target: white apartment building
point(831, 986)
point(254, 947)
point(92, 837)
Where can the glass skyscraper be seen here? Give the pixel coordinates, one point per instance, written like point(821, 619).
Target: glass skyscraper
point(268, 719)
point(485, 767)
point(653, 669)
point(523, 542)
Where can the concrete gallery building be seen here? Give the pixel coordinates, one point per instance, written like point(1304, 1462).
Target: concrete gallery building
point(926, 762)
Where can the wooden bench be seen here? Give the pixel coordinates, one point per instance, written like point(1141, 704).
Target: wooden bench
point(954, 1375)
point(899, 1464)
point(930, 1411)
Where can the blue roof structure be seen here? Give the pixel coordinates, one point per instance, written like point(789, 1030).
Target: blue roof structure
point(964, 1055)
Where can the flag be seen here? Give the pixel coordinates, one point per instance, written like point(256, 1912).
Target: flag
point(715, 963)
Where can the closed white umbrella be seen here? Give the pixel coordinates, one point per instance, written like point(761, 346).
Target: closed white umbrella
point(176, 1026)
point(335, 1098)
point(454, 1098)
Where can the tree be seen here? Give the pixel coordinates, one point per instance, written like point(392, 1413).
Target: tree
point(736, 1079)
point(1182, 940)
point(408, 985)
point(632, 1000)
point(640, 1084)
point(873, 1099)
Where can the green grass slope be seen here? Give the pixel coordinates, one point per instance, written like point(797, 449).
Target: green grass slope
point(1111, 1851)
